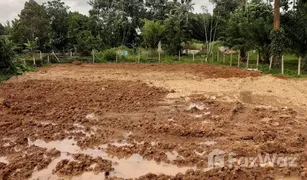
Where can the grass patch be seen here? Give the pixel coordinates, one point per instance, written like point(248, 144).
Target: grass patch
point(4, 77)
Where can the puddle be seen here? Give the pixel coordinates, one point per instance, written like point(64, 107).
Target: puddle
point(46, 174)
point(117, 144)
point(4, 160)
point(208, 143)
point(172, 155)
point(89, 176)
point(132, 167)
point(66, 145)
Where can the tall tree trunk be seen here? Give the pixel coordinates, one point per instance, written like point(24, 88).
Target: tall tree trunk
point(276, 14)
point(276, 58)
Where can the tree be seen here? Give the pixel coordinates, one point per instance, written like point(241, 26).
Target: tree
point(57, 13)
point(296, 29)
point(277, 35)
point(77, 23)
point(2, 30)
point(260, 26)
point(6, 53)
point(177, 26)
point(250, 28)
point(225, 7)
point(120, 19)
point(157, 9)
point(237, 34)
point(152, 33)
point(86, 42)
point(276, 14)
point(32, 24)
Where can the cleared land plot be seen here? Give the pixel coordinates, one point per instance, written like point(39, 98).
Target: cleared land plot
point(149, 122)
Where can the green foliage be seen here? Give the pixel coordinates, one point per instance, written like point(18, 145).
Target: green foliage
point(86, 42)
point(119, 19)
point(30, 46)
point(177, 26)
point(20, 68)
point(108, 55)
point(57, 13)
point(6, 54)
point(2, 30)
point(250, 28)
point(111, 54)
point(226, 7)
point(296, 29)
point(32, 24)
point(278, 42)
point(152, 33)
point(76, 24)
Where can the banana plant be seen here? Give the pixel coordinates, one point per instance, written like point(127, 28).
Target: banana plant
point(31, 46)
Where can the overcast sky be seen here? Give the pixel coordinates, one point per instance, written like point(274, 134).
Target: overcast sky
point(9, 9)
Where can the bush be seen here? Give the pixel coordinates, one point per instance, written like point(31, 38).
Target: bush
point(6, 54)
point(110, 54)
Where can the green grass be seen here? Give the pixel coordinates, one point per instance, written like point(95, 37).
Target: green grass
point(290, 69)
point(4, 77)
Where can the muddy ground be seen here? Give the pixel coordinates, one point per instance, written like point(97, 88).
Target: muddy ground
point(129, 121)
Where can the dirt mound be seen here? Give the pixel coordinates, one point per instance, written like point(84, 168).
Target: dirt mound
point(199, 70)
point(76, 62)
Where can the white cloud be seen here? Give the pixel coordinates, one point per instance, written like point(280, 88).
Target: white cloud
point(9, 9)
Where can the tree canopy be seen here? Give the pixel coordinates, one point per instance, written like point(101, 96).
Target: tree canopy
point(238, 24)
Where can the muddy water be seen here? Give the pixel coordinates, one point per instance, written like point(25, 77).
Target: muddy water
point(132, 167)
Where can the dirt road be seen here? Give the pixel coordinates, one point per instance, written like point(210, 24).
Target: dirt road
point(119, 121)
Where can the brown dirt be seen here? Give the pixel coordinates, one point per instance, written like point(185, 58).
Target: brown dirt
point(119, 121)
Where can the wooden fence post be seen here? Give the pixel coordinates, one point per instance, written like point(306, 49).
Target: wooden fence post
point(271, 61)
point(299, 66)
point(93, 54)
point(239, 57)
point(116, 57)
point(139, 56)
point(282, 65)
point(258, 60)
point(247, 62)
point(224, 58)
point(231, 59)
